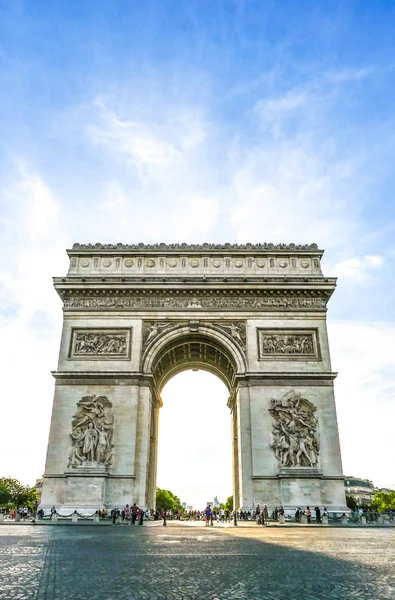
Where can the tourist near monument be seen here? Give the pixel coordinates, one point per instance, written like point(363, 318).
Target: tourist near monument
point(136, 315)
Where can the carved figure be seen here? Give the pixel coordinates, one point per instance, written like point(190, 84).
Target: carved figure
point(236, 330)
point(92, 431)
point(154, 330)
point(132, 301)
point(100, 343)
point(295, 436)
point(281, 343)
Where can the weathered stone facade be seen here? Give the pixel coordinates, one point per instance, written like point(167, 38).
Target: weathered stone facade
point(135, 315)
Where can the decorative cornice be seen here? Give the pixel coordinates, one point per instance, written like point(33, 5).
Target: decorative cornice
point(183, 247)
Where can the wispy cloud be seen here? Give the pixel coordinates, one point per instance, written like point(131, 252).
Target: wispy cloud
point(357, 268)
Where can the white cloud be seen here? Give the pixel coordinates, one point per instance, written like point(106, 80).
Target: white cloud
point(357, 268)
point(363, 355)
point(32, 252)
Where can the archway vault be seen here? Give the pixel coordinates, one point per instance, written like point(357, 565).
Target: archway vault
point(194, 347)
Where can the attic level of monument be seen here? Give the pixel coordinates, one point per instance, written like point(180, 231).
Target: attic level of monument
point(211, 260)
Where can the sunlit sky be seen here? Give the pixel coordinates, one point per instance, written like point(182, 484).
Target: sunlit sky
point(198, 121)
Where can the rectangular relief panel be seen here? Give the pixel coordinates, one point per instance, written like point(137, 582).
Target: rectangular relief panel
point(100, 344)
point(288, 344)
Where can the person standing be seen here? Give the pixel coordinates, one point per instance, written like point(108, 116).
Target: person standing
point(317, 514)
point(135, 512)
point(308, 514)
point(208, 515)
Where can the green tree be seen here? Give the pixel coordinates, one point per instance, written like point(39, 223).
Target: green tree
point(5, 496)
point(15, 493)
point(229, 503)
point(166, 500)
point(382, 501)
point(351, 503)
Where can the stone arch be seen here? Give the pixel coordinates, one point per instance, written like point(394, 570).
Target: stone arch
point(205, 347)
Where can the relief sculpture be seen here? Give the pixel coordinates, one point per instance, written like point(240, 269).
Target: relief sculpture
point(152, 329)
point(295, 436)
point(92, 432)
point(175, 303)
point(91, 343)
point(286, 344)
point(236, 330)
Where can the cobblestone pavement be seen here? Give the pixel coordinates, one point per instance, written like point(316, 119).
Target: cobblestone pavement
point(185, 563)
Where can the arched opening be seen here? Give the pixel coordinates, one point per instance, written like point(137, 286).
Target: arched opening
point(194, 446)
point(194, 349)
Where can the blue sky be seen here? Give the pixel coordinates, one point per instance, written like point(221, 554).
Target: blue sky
point(192, 121)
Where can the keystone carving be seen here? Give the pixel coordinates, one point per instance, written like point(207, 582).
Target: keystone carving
point(295, 436)
point(92, 432)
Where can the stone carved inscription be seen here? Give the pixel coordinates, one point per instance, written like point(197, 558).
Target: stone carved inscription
point(92, 433)
point(90, 343)
point(288, 344)
point(236, 330)
point(295, 436)
point(176, 302)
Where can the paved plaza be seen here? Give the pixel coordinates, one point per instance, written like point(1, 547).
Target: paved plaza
point(184, 562)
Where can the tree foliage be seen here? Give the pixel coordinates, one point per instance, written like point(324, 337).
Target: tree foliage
point(228, 505)
point(166, 500)
point(14, 493)
point(351, 503)
point(382, 501)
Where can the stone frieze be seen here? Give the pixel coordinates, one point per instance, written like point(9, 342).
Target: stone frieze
point(176, 302)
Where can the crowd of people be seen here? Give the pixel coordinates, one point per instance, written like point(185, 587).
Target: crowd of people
point(132, 514)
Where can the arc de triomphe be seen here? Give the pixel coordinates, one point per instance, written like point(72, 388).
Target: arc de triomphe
point(135, 315)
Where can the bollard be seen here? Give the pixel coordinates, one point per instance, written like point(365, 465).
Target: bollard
point(1, 517)
point(141, 521)
point(17, 517)
point(55, 518)
point(380, 520)
point(211, 521)
point(74, 517)
point(344, 519)
point(234, 519)
point(363, 520)
point(164, 520)
point(281, 519)
point(303, 519)
point(96, 518)
point(325, 520)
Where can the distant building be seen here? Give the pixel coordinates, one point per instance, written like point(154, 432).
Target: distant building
point(38, 486)
point(216, 502)
point(362, 490)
